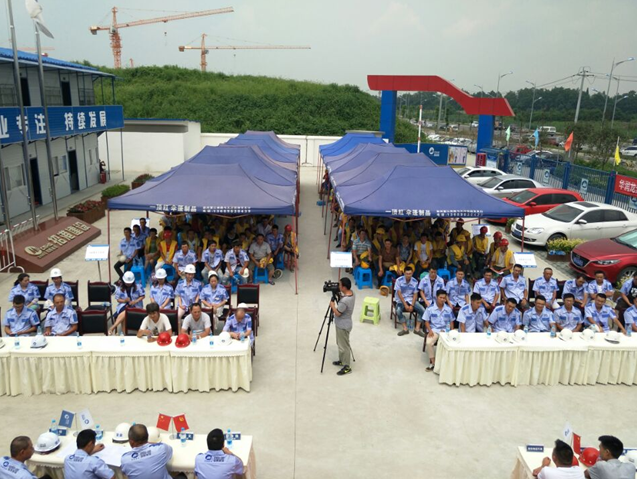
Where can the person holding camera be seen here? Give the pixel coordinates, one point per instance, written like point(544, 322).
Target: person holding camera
point(342, 310)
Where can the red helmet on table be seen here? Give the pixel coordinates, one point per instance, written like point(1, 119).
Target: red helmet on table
point(589, 456)
point(182, 341)
point(164, 339)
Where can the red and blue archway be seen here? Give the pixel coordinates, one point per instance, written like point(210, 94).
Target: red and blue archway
point(486, 108)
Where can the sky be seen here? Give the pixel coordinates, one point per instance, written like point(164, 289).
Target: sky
point(469, 41)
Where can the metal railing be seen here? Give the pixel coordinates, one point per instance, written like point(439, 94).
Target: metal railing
point(7, 246)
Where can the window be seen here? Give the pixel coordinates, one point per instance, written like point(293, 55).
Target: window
point(563, 213)
point(614, 215)
point(90, 157)
point(524, 184)
point(87, 96)
point(564, 198)
point(492, 183)
point(7, 95)
point(545, 199)
point(507, 185)
point(522, 197)
point(62, 164)
point(596, 216)
point(14, 176)
point(53, 96)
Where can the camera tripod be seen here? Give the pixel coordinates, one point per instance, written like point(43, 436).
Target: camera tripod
point(329, 318)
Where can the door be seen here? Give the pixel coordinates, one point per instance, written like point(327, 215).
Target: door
point(615, 224)
point(73, 174)
point(66, 93)
point(35, 177)
point(26, 95)
point(543, 202)
point(593, 227)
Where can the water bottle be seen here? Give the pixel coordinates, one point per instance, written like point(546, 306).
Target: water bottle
point(489, 332)
point(194, 339)
point(242, 336)
point(149, 337)
point(122, 340)
point(526, 329)
point(229, 439)
point(629, 330)
point(447, 327)
point(99, 434)
point(79, 342)
point(182, 437)
point(16, 342)
point(212, 341)
point(553, 333)
point(39, 330)
point(54, 426)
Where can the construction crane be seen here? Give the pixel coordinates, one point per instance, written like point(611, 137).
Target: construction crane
point(116, 40)
point(206, 49)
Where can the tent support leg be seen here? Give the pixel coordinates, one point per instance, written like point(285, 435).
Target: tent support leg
point(325, 222)
point(329, 238)
point(108, 235)
point(296, 261)
point(522, 245)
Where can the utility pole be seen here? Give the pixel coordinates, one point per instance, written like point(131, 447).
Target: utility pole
point(439, 114)
point(610, 77)
point(583, 74)
point(532, 101)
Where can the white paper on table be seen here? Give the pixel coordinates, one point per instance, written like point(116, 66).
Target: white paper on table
point(112, 454)
point(69, 449)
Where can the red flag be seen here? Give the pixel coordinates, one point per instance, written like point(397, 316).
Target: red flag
point(569, 142)
point(163, 422)
point(576, 443)
point(180, 421)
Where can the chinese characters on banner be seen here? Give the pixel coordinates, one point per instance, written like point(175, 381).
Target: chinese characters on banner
point(626, 185)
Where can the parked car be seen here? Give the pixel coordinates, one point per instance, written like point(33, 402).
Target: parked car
point(478, 174)
point(520, 149)
point(507, 185)
point(616, 257)
point(629, 151)
point(586, 220)
point(474, 124)
point(539, 200)
point(472, 147)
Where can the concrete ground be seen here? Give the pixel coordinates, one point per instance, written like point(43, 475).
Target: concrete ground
point(389, 418)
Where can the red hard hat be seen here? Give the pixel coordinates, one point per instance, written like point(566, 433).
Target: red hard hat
point(497, 235)
point(504, 242)
point(589, 456)
point(288, 228)
point(182, 341)
point(164, 339)
point(484, 229)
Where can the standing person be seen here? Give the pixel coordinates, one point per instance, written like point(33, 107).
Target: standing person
point(151, 250)
point(608, 466)
point(30, 292)
point(406, 299)
point(218, 462)
point(128, 250)
point(343, 324)
point(480, 252)
point(14, 467)
point(436, 318)
point(82, 464)
point(564, 468)
point(145, 460)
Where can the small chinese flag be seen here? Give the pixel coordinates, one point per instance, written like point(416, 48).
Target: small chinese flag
point(576, 443)
point(163, 422)
point(569, 142)
point(180, 421)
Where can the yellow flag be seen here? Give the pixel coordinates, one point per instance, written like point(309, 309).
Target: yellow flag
point(618, 159)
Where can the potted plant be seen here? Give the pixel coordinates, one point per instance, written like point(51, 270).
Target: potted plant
point(509, 226)
point(113, 191)
point(140, 180)
point(560, 249)
point(88, 211)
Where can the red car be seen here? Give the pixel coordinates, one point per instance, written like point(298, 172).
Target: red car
point(617, 257)
point(539, 200)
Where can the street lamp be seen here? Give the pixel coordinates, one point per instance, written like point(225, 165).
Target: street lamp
point(532, 100)
point(532, 105)
point(615, 108)
point(440, 108)
point(500, 77)
point(610, 77)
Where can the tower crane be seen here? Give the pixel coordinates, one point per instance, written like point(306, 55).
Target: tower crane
point(206, 49)
point(116, 40)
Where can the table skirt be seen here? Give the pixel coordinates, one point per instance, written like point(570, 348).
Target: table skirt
point(130, 373)
point(207, 373)
point(607, 366)
point(483, 368)
point(31, 375)
point(551, 367)
point(5, 383)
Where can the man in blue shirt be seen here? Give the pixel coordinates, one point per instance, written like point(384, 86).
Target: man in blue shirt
point(237, 262)
point(600, 314)
point(458, 291)
point(211, 259)
point(145, 460)
point(82, 464)
point(218, 462)
point(437, 317)
point(630, 316)
point(514, 286)
point(568, 316)
point(214, 295)
point(239, 324)
point(406, 299)
point(505, 317)
point(599, 285)
point(471, 317)
point(628, 293)
point(275, 240)
point(183, 258)
point(14, 467)
point(61, 320)
point(488, 289)
point(20, 320)
point(577, 287)
point(128, 248)
point(546, 285)
point(429, 285)
point(538, 319)
point(187, 291)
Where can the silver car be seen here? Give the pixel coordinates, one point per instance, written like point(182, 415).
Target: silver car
point(506, 185)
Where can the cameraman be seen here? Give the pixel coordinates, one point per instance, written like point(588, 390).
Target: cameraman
point(343, 322)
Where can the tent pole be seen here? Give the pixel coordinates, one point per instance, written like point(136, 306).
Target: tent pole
point(329, 238)
point(296, 264)
point(522, 246)
point(326, 210)
point(108, 235)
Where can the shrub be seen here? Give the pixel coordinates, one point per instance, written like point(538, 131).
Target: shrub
point(115, 190)
point(564, 245)
point(511, 222)
point(85, 206)
point(143, 178)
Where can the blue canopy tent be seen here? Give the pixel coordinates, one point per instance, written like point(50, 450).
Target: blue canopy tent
point(274, 137)
point(367, 149)
point(349, 142)
point(274, 151)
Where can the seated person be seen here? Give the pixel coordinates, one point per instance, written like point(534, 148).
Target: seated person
point(128, 295)
point(128, 247)
point(458, 230)
point(458, 291)
point(151, 250)
point(154, 324)
point(19, 320)
point(458, 254)
point(82, 464)
point(472, 316)
point(564, 468)
point(608, 465)
point(214, 295)
point(61, 320)
point(546, 285)
point(628, 293)
point(437, 318)
point(599, 285)
point(505, 317)
point(15, 467)
point(145, 460)
point(275, 240)
point(264, 227)
point(361, 248)
point(183, 258)
point(568, 316)
point(187, 291)
point(212, 259)
point(577, 287)
point(28, 291)
point(57, 287)
point(239, 324)
point(260, 255)
point(192, 240)
point(140, 239)
point(538, 319)
point(405, 251)
point(406, 299)
point(423, 254)
point(197, 323)
point(237, 261)
point(167, 248)
point(162, 292)
point(439, 251)
point(630, 317)
point(501, 261)
point(514, 286)
point(480, 245)
point(488, 289)
point(289, 247)
point(386, 259)
point(218, 462)
point(598, 313)
point(429, 285)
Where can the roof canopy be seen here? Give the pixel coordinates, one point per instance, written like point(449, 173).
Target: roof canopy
point(274, 136)
point(348, 142)
point(368, 149)
point(416, 191)
point(270, 148)
point(358, 171)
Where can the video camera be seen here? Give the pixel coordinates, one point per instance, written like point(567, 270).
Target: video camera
point(333, 287)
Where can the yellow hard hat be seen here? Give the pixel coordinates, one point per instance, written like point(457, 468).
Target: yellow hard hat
point(384, 290)
point(380, 231)
point(364, 265)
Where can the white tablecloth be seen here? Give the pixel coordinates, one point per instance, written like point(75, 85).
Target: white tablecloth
point(5, 383)
point(183, 459)
point(540, 359)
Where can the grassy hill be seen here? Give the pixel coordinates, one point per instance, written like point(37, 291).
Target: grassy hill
point(224, 103)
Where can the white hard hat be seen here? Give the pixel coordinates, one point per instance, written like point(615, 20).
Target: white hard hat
point(632, 456)
point(160, 273)
point(121, 432)
point(39, 342)
point(502, 337)
point(242, 306)
point(190, 268)
point(246, 273)
point(454, 335)
point(129, 277)
point(224, 338)
point(56, 273)
point(47, 442)
point(520, 335)
point(212, 273)
point(153, 434)
point(613, 336)
point(588, 333)
point(566, 334)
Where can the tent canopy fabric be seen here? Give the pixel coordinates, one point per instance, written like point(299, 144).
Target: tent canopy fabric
point(275, 137)
point(190, 188)
point(415, 192)
point(348, 142)
point(356, 172)
point(271, 149)
point(360, 149)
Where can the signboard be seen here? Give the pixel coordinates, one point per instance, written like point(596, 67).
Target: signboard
point(545, 177)
point(583, 186)
point(96, 252)
point(63, 121)
point(436, 152)
point(492, 163)
point(633, 203)
point(626, 185)
point(340, 259)
point(457, 156)
point(526, 259)
point(518, 168)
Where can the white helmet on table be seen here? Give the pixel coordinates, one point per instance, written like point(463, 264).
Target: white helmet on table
point(224, 338)
point(454, 335)
point(153, 434)
point(47, 442)
point(520, 335)
point(38, 342)
point(588, 333)
point(121, 432)
point(566, 334)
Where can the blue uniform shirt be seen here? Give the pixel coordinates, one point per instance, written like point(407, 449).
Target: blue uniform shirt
point(502, 321)
point(458, 292)
point(538, 322)
point(213, 297)
point(428, 290)
point(545, 288)
point(233, 261)
point(438, 318)
point(21, 322)
point(602, 317)
point(12, 469)
point(184, 260)
point(129, 248)
point(234, 326)
point(217, 465)
point(82, 466)
point(473, 320)
point(147, 462)
point(214, 259)
point(188, 292)
point(31, 294)
point(629, 289)
point(274, 241)
point(487, 290)
point(406, 289)
point(136, 292)
point(568, 319)
point(141, 239)
point(160, 293)
point(64, 289)
point(60, 322)
point(578, 291)
point(630, 317)
point(512, 288)
point(594, 288)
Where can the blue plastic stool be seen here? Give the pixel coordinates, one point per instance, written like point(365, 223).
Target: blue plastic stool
point(233, 284)
point(278, 262)
point(452, 270)
point(170, 272)
point(140, 273)
point(444, 274)
point(365, 278)
point(260, 276)
point(388, 278)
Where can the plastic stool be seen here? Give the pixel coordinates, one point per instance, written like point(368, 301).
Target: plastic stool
point(388, 278)
point(278, 262)
point(452, 270)
point(444, 274)
point(260, 276)
point(364, 278)
point(371, 310)
point(170, 272)
point(140, 273)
